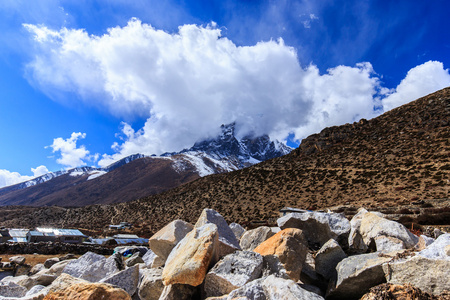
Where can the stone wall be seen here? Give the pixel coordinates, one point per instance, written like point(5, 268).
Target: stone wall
point(51, 248)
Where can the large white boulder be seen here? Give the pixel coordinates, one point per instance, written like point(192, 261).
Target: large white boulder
point(437, 250)
point(318, 227)
point(373, 226)
point(92, 267)
point(232, 272)
point(430, 275)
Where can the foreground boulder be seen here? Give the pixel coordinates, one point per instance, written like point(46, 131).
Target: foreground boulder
point(390, 291)
point(290, 247)
point(12, 289)
point(89, 291)
point(272, 288)
point(438, 249)
point(327, 259)
point(430, 275)
point(238, 230)
point(92, 267)
point(252, 238)
point(227, 240)
point(152, 260)
point(357, 274)
point(373, 226)
point(189, 260)
point(318, 227)
point(162, 242)
point(151, 285)
point(232, 272)
point(127, 279)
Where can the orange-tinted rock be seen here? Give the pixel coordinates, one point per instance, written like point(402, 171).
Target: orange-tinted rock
point(189, 260)
point(89, 291)
point(290, 246)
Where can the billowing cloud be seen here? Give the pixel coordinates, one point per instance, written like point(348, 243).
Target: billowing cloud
point(419, 81)
point(186, 84)
point(71, 154)
point(8, 178)
point(39, 171)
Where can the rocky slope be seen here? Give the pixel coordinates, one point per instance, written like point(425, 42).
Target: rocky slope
point(309, 255)
point(399, 158)
point(138, 175)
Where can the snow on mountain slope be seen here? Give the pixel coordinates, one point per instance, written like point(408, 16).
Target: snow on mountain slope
point(222, 154)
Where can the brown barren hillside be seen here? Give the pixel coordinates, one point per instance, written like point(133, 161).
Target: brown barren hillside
point(399, 158)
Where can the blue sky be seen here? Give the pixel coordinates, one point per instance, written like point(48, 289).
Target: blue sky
point(89, 82)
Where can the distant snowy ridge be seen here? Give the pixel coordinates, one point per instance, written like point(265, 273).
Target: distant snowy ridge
point(222, 154)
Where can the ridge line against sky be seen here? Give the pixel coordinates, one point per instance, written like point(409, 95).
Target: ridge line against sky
point(90, 83)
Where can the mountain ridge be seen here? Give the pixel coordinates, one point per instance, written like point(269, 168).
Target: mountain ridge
point(90, 185)
point(399, 158)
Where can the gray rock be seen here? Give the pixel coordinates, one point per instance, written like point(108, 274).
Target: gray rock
point(134, 259)
point(152, 260)
point(151, 285)
point(50, 262)
point(273, 288)
point(127, 279)
point(162, 242)
point(227, 240)
point(318, 227)
point(22, 269)
point(357, 274)
point(327, 259)
point(233, 271)
point(34, 290)
point(12, 289)
point(252, 238)
point(92, 267)
point(18, 260)
point(424, 241)
point(386, 244)
point(273, 266)
point(238, 230)
point(57, 268)
point(178, 292)
point(437, 249)
point(373, 226)
point(37, 268)
point(37, 279)
point(430, 275)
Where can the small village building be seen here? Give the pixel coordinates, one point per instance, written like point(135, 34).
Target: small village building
point(124, 239)
point(18, 235)
point(34, 236)
point(287, 210)
point(71, 236)
point(121, 226)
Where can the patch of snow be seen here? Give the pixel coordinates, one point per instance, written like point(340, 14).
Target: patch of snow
point(96, 174)
point(76, 173)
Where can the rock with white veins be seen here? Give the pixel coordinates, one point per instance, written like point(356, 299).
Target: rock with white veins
point(92, 267)
point(232, 272)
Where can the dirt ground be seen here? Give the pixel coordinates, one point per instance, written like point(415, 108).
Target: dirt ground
point(30, 259)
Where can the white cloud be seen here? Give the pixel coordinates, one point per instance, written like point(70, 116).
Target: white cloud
point(419, 81)
point(71, 155)
point(10, 178)
point(189, 83)
point(39, 171)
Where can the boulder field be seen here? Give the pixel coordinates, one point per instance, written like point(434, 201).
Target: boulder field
point(311, 255)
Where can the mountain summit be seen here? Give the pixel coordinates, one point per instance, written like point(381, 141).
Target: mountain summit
point(139, 175)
